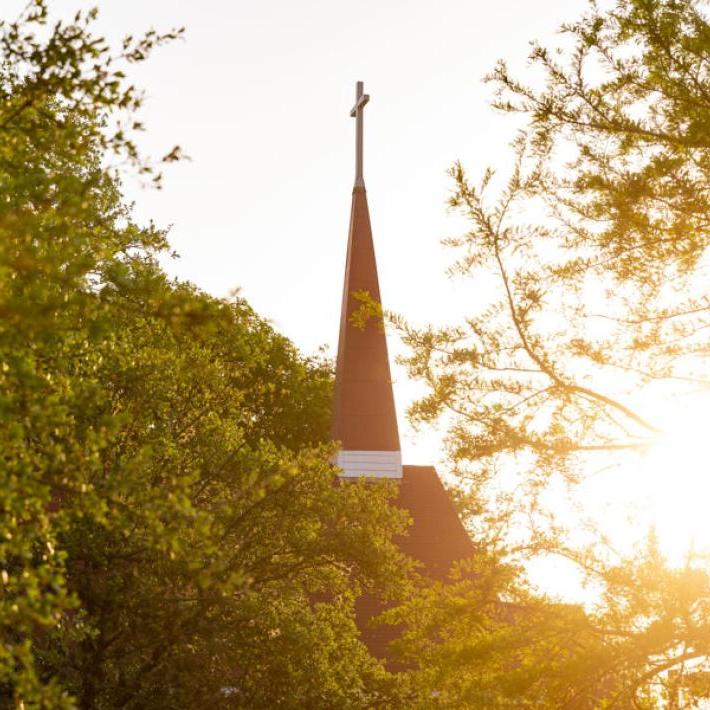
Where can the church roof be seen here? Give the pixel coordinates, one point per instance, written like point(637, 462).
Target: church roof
point(436, 538)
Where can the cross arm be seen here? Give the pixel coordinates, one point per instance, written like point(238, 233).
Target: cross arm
point(359, 105)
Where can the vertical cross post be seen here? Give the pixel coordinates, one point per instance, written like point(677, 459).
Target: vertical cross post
point(356, 112)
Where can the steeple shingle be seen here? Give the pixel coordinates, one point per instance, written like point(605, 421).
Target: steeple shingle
point(364, 417)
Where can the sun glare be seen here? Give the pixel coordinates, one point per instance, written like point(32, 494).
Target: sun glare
point(673, 480)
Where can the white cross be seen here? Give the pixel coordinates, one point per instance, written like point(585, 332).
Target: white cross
point(357, 112)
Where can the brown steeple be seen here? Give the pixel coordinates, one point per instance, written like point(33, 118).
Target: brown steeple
point(365, 423)
point(364, 418)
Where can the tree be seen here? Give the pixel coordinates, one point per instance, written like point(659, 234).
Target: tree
point(486, 640)
point(604, 296)
point(595, 249)
point(215, 522)
point(171, 528)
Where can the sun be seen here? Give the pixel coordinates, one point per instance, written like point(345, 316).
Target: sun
point(664, 489)
point(673, 479)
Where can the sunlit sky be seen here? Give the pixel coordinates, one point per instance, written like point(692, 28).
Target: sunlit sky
point(258, 95)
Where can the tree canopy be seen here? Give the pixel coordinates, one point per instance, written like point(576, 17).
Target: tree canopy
point(171, 531)
point(594, 249)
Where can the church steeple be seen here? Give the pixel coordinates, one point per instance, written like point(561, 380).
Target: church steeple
point(364, 418)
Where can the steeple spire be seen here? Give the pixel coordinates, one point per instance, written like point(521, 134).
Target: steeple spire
point(364, 418)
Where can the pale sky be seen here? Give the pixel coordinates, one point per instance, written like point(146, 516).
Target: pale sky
point(258, 94)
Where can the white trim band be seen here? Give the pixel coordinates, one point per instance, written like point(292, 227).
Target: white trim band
point(370, 464)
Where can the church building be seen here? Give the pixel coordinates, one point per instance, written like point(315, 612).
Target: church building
point(365, 422)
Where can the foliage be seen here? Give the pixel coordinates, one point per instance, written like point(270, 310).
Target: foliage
point(630, 104)
point(171, 531)
point(597, 301)
point(485, 641)
point(593, 252)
